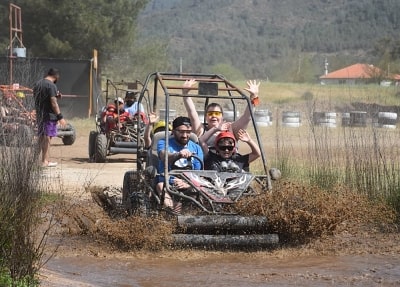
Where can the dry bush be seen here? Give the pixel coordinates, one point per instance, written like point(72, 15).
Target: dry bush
point(20, 214)
point(299, 213)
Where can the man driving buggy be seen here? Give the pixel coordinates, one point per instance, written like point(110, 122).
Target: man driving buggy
point(131, 104)
point(181, 150)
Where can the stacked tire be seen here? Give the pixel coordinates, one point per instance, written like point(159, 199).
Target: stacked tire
point(346, 120)
point(291, 119)
point(325, 119)
point(358, 119)
point(229, 115)
point(387, 120)
point(263, 118)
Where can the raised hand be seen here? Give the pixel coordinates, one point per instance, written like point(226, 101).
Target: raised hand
point(225, 126)
point(243, 136)
point(153, 118)
point(252, 87)
point(187, 85)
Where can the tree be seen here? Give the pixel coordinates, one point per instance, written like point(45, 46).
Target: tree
point(72, 29)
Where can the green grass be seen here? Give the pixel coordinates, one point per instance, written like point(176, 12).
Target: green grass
point(6, 280)
point(283, 93)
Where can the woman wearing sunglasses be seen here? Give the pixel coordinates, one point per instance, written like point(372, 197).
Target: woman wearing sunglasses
point(226, 157)
point(214, 113)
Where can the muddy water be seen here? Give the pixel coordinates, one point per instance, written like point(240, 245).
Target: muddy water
point(224, 270)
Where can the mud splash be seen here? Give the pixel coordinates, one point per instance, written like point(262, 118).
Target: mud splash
point(297, 213)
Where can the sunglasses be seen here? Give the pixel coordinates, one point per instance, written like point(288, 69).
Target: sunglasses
point(214, 113)
point(184, 131)
point(226, 147)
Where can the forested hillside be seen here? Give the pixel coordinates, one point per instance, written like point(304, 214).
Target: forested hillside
point(280, 40)
point(283, 40)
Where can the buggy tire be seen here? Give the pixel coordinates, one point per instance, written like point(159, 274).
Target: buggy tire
point(92, 144)
point(100, 153)
point(70, 139)
point(126, 190)
point(135, 201)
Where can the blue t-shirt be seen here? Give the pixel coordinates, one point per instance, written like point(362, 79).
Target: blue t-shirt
point(173, 147)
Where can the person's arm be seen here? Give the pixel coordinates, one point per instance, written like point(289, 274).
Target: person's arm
point(203, 139)
point(244, 120)
point(255, 149)
point(172, 157)
point(56, 110)
point(191, 108)
point(153, 118)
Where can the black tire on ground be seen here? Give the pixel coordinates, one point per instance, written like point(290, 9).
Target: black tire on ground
point(100, 153)
point(134, 200)
point(92, 144)
point(69, 140)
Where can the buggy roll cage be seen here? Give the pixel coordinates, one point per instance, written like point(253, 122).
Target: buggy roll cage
point(114, 90)
point(168, 83)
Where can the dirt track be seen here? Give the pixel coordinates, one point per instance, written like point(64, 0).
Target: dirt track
point(74, 169)
point(344, 260)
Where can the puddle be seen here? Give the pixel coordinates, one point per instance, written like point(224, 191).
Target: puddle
point(224, 271)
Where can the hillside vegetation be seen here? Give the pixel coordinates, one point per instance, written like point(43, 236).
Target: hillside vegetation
point(286, 40)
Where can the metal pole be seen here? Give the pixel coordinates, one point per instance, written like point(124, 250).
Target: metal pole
point(11, 45)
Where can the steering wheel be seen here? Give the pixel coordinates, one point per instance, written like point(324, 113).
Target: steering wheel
point(189, 159)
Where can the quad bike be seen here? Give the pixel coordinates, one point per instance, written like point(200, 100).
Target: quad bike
point(124, 136)
point(207, 217)
point(18, 120)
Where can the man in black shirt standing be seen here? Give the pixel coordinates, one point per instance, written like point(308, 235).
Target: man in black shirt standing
point(48, 112)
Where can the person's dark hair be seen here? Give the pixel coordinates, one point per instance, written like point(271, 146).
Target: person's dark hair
point(214, 105)
point(130, 95)
point(53, 72)
point(179, 121)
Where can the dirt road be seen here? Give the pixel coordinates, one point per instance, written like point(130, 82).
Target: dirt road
point(75, 171)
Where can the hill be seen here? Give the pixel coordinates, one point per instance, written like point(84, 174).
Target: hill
point(282, 40)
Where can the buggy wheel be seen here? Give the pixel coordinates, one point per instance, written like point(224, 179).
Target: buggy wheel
point(126, 189)
point(92, 144)
point(70, 139)
point(134, 199)
point(100, 153)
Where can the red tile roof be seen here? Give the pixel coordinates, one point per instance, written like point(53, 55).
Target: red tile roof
point(356, 71)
